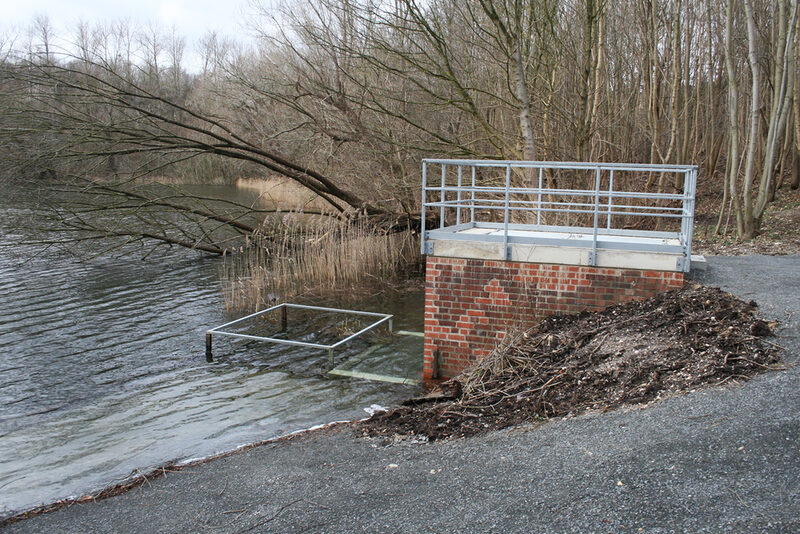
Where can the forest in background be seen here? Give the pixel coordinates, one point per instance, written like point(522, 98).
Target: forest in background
point(346, 97)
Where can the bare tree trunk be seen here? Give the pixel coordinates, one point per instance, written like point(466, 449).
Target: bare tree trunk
point(510, 34)
point(655, 80)
point(748, 230)
point(795, 183)
point(598, 86)
point(796, 98)
point(589, 76)
point(783, 81)
point(524, 104)
point(733, 122)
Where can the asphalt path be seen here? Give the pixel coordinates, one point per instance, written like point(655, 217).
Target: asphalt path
point(713, 460)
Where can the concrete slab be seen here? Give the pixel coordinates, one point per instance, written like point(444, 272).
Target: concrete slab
point(468, 249)
point(622, 259)
point(567, 248)
point(547, 254)
point(575, 236)
point(627, 259)
point(477, 231)
point(699, 262)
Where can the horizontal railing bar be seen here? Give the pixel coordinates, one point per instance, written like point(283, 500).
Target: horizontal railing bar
point(578, 230)
point(274, 340)
point(536, 191)
point(370, 327)
point(338, 310)
point(256, 314)
point(567, 210)
point(470, 203)
point(577, 165)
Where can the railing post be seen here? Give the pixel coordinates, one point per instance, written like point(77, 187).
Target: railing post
point(209, 355)
point(441, 207)
point(458, 197)
point(472, 199)
point(687, 224)
point(539, 208)
point(684, 212)
point(506, 213)
point(610, 196)
point(593, 255)
point(424, 221)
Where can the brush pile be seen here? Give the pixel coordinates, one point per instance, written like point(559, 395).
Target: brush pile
point(626, 354)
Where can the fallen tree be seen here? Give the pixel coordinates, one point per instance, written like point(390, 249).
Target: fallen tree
point(92, 117)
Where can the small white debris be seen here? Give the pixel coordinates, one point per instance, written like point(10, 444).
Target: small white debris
point(372, 409)
point(392, 466)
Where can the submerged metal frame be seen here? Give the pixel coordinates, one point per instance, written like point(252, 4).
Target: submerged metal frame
point(384, 317)
point(598, 203)
point(376, 377)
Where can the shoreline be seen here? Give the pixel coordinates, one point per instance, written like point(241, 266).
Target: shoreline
point(172, 466)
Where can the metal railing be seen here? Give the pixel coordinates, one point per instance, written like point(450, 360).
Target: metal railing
point(601, 199)
point(284, 307)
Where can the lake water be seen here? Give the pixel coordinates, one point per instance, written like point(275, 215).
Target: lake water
point(103, 374)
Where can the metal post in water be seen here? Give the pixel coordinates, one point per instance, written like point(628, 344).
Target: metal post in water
point(209, 356)
point(284, 321)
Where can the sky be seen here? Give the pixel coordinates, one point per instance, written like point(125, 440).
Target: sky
point(192, 19)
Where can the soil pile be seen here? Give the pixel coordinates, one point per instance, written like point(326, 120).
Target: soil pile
point(626, 354)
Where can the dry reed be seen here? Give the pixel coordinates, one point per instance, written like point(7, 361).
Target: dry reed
point(284, 193)
point(296, 254)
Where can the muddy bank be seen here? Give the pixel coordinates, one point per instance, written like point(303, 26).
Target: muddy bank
point(627, 354)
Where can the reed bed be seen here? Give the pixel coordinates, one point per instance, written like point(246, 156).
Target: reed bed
point(295, 254)
point(284, 193)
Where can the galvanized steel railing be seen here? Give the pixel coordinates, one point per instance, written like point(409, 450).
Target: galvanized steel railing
point(218, 330)
point(464, 196)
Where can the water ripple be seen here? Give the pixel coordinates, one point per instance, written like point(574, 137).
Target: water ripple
point(102, 372)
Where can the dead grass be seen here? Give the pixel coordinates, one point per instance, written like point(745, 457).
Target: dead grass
point(295, 254)
point(285, 194)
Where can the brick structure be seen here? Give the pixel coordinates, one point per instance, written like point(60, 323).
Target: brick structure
point(471, 303)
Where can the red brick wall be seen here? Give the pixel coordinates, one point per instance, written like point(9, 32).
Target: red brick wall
point(469, 304)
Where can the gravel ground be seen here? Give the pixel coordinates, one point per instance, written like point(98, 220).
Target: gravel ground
point(721, 459)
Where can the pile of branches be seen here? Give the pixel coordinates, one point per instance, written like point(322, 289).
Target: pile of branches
point(626, 354)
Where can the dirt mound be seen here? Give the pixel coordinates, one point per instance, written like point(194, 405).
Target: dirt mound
point(626, 354)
